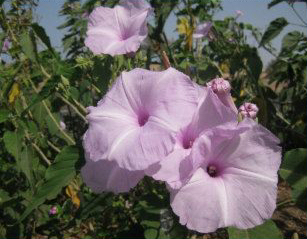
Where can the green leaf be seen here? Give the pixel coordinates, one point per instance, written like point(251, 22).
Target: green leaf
point(48, 89)
point(39, 114)
point(290, 41)
point(40, 32)
point(26, 164)
point(58, 175)
point(264, 231)
point(293, 170)
point(2, 37)
point(275, 27)
point(4, 196)
point(4, 115)
point(27, 42)
point(12, 142)
point(255, 65)
point(52, 127)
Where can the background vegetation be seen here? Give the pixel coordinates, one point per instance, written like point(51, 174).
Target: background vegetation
point(40, 89)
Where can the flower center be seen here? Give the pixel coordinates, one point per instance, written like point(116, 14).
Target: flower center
point(142, 119)
point(187, 143)
point(212, 171)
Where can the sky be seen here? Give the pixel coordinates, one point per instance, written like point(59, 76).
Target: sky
point(255, 12)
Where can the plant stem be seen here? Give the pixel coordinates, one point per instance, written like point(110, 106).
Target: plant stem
point(80, 106)
point(298, 15)
point(73, 107)
point(43, 156)
point(53, 146)
point(69, 139)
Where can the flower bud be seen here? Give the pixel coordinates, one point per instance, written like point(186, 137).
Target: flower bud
point(222, 89)
point(248, 110)
point(53, 210)
point(62, 125)
point(219, 86)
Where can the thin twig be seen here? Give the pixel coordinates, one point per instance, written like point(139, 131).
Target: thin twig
point(80, 106)
point(52, 117)
point(298, 15)
point(43, 156)
point(73, 107)
point(53, 146)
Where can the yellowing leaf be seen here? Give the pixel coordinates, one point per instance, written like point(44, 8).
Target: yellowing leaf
point(14, 93)
point(72, 192)
point(184, 27)
point(224, 67)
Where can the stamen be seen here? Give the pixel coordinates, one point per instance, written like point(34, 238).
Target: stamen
point(212, 171)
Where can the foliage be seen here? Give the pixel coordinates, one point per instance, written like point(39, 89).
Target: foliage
point(40, 161)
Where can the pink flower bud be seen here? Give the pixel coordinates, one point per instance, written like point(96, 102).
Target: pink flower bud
point(219, 86)
point(53, 210)
point(239, 13)
point(62, 125)
point(248, 110)
point(222, 89)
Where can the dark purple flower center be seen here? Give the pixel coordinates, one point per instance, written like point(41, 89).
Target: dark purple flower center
point(187, 143)
point(142, 118)
point(212, 171)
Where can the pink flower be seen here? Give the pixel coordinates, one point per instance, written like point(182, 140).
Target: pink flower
point(239, 13)
point(118, 30)
point(235, 181)
point(53, 210)
point(249, 110)
point(135, 123)
point(6, 45)
point(105, 175)
point(202, 30)
point(222, 89)
point(176, 168)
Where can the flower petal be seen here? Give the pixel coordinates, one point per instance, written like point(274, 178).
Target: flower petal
point(251, 197)
point(212, 113)
point(256, 150)
point(201, 204)
point(174, 169)
point(104, 175)
point(142, 147)
point(169, 97)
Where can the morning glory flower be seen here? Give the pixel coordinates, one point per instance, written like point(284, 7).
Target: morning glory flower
point(249, 110)
point(235, 183)
point(135, 123)
point(202, 30)
point(118, 30)
point(176, 168)
point(222, 89)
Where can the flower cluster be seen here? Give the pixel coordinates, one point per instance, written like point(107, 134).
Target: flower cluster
point(219, 172)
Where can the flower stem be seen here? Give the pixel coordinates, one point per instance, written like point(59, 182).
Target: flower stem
point(73, 107)
point(69, 139)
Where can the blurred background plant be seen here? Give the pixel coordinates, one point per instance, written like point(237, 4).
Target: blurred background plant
point(43, 100)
